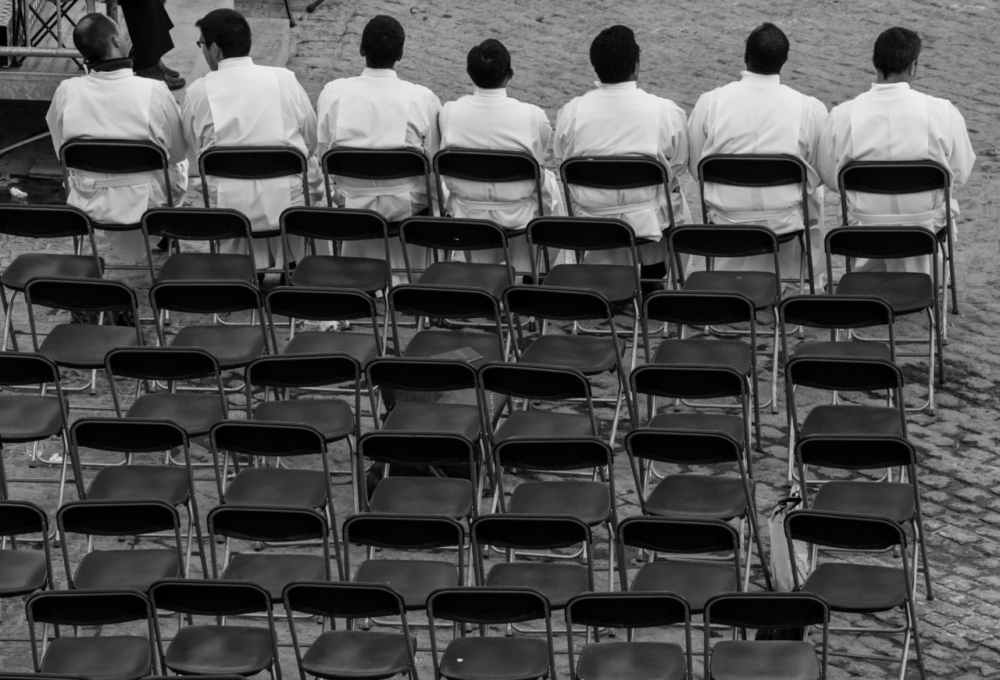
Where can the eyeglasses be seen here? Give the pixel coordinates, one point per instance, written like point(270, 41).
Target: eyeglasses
point(201, 43)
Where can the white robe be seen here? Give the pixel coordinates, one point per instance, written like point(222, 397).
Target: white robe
point(243, 104)
point(120, 105)
point(378, 110)
point(490, 120)
point(892, 122)
point(759, 115)
point(621, 120)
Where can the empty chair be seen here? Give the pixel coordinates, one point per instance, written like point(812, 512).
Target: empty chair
point(440, 303)
point(199, 225)
point(23, 571)
point(443, 237)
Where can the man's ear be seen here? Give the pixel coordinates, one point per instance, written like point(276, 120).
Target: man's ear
point(912, 70)
point(361, 51)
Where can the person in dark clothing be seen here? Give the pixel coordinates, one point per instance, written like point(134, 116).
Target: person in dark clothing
point(149, 28)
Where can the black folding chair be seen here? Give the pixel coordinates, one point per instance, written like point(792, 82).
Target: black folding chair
point(443, 237)
point(439, 303)
point(377, 165)
point(23, 571)
point(199, 225)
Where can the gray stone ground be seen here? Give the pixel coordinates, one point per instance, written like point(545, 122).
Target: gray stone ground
point(687, 50)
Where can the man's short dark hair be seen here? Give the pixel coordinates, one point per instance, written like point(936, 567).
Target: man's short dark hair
point(489, 64)
point(614, 54)
point(767, 49)
point(228, 29)
point(382, 42)
point(895, 50)
point(92, 36)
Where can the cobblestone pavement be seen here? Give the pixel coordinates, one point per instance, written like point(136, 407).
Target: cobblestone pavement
point(687, 50)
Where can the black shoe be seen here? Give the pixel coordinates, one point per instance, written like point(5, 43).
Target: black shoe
point(169, 71)
point(157, 73)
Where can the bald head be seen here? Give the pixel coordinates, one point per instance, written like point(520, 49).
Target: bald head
point(95, 36)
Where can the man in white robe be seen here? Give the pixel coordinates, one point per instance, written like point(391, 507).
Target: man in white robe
point(619, 119)
point(894, 122)
point(379, 110)
point(240, 103)
point(111, 102)
point(759, 115)
point(488, 119)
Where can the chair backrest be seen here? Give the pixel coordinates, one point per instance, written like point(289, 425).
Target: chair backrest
point(754, 170)
point(688, 382)
point(45, 221)
point(852, 452)
point(263, 523)
point(835, 311)
point(838, 373)
point(722, 240)
point(683, 447)
point(263, 438)
point(205, 597)
point(582, 234)
point(343, 600)
point(680, 536)
point(87, 607)
point(205, 297)
point(302, 370)
point(21, 517)
point(81, 295)
point(484, 605)
point(551, 454)
point(487, 165)
point(697, 308)
point(893, 177)
point(196, 224)
point(444, 302)
point(116, 518)
point(628, 610)
point(536, 382)
point(116, 156)
point(564, 304)
point(841, 531)
point(127, 435)
point(375, 165)
point(416, 448)
point(404, 532)
point(450, 234)
point(615, 173)
point(253, 162)
point(161, 363)
point(24, 368)
point(767, 610)
point(332, 224)
point(320, 304)
point(421, 375)
point(524, 532)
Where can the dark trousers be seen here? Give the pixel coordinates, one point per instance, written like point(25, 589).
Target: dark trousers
point(149, 27)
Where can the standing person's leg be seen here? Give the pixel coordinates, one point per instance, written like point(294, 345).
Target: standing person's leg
point(149, 28)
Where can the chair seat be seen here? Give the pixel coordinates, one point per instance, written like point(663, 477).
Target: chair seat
point(50, 266)
point(535, 424)
point(81, 345)
point(372, 655)
point(361, 346)
point(857, 588)
point(759, 660)
point(698, 497)
point(589, 502)
point(847, 350)
point(495, 658)
point(730, 425)
point(273, 572)
point(116, 657)
point(414, 580)
point(588, 354)
point(423, 496)
point(232, 346)
point(558, 582)
point(615, 282)
point(432, 343)
point(324, 271)
point(696, 582)
point(210, 650)
point(460, 419)
point(279, 487)
point(135, 569)
point(632, 661)
point(207, 266)
point(332, 417)
point(141, 482)
point(28, 418)
point(905, 292)
point(194, 413)
point(894, 501)
point(21, 572)
point(760, 287)
point(489, 277)
point(851, 419)
point(731, 353)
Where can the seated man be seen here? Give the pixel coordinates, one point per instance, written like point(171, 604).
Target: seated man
point(619, 119)
point(894, 122)
point(378, 110)
point(242, 104)
point(490, 120)
point(759, 115)
point(111, 102)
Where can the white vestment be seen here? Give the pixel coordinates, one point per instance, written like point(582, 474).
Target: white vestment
point(759, 115)
point(490, 120)
point(378, 110)
point(243, 104)
point(117, 104)
point(621, 120)
point(892, 122)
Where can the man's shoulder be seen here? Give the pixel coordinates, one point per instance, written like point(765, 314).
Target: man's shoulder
point(196, 90)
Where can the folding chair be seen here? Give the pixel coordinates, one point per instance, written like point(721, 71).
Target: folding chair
point(904, 177)
point(141, 159)
point(759, 171)
point(905, 292)
point(485, 657)
point(132, 569)
point(351, 653)
point(852, 588)
point(745, 659)
point(38, 222)
point(697, 495)
point(32, 418)
point(620, 284)
point(119, 656)
point(590, 355)
point(898, 501)
point(206, 649)
point(83, 345)
point(23, 572)
point(413, 577)
point(200, 225)
point(629, 659)
point(438, 303)
point(273, 571)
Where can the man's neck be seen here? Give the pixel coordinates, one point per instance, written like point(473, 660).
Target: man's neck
point(113, 64)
